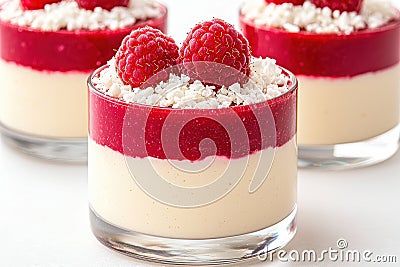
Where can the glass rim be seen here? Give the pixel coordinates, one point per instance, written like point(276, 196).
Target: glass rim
point(390, 25)
point(156, 20)
point(292, 88)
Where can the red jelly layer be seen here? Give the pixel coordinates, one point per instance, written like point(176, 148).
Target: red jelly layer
point(191, 134)
point(329, 55)
point(63, 50)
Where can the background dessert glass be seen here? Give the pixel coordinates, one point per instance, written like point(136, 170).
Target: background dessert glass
point(349, 96)
point(237, 199)
point(43, 96)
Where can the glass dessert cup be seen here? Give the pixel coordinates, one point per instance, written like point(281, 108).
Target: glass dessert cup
point(43, 95)
point(349, 98)
point(192, 186)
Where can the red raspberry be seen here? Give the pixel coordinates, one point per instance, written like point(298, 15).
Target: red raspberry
point(216, 41)
point(105, 4)
point(144, 53)
point(36, 4)
point(341, 5)
point(279, 2)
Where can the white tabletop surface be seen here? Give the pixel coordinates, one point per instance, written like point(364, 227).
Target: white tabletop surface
point(44, 205)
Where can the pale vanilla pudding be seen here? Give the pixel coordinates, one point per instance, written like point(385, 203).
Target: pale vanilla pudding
point(371, 99)
point(46, 56)
point(62, 114)
point(347, 64)
point(111, 184)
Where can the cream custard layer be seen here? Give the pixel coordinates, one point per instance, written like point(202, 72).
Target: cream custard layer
point(345, 110)
point(116, 197)
point(42, 103)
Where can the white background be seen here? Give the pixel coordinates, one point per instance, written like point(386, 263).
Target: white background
point(44, 210)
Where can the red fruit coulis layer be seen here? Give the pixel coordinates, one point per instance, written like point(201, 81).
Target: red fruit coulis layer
point(327, 55)
point(178, 134)
point(80, 50)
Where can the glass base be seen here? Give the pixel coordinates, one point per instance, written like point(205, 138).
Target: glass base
point(194, 252)
point(63, 150)
point(350, 155)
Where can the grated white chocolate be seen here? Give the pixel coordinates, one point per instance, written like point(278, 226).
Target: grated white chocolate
point(307, 17)
point(266, 82)
point(68, 15)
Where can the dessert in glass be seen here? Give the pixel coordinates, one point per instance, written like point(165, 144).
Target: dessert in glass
point(188, 170)
point(346, 57)
point(47, 49)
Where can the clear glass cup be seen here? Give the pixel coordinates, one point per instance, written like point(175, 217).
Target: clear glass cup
point(43, 96)
point(350, 91)
point(192, 186)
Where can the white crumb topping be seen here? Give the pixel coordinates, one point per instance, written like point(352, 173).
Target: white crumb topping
point(266, 82)
point(307, 17)
point(68, 15)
